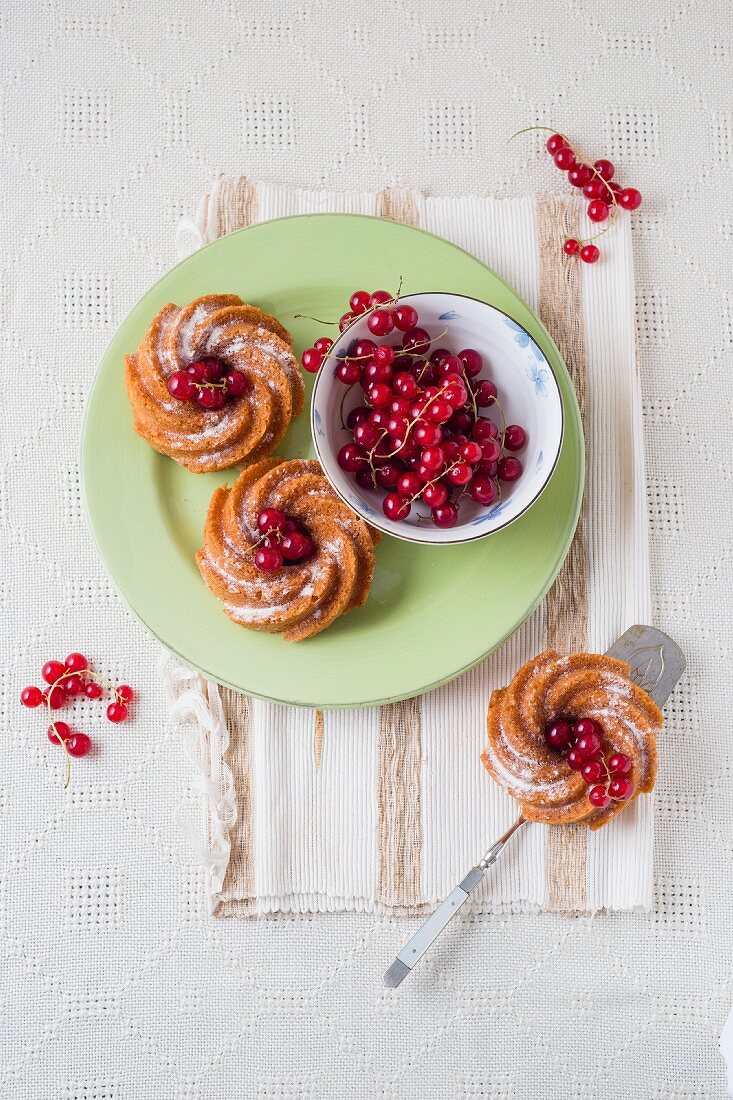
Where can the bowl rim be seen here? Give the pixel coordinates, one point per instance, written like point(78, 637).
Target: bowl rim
point(478, 534)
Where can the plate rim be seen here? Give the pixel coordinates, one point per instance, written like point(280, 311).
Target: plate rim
point(453, 675)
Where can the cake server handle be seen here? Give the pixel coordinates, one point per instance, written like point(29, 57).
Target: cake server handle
point(428, 932)
point(657, 663)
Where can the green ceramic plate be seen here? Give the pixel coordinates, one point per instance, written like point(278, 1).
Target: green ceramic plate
point(433, 611)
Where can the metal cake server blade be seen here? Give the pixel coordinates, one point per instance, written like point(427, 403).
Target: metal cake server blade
point(657, 663)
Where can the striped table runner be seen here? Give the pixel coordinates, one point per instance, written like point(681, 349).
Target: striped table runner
point(383, 809)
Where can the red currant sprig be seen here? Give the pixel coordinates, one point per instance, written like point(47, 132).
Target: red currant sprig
point(282, 541)
point(581, 743)
point(606, 197)
point(65, 681)
point(208, 382)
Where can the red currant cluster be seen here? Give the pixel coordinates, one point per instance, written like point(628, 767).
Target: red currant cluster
point(418, 433)
point(208, 383)
point(606, 197)
point(66, 680)
point(283, 541)
point(582, 744)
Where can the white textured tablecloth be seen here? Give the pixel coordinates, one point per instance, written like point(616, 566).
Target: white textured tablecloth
point(114, 983)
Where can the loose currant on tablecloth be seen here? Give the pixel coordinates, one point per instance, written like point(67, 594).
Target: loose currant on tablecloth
point(606, 197)
point(419, 433)
point(67, 679)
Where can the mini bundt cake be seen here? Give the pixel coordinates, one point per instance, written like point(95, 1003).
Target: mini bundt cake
point(214, 383)
point(299, 598)
point(572, 739)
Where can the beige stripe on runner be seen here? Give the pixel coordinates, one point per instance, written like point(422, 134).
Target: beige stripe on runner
point(399, 744)
point(238, 889)
point(237, 208)
point(566, 606)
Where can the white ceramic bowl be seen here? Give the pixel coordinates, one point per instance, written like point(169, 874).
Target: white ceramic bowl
point(528, 392)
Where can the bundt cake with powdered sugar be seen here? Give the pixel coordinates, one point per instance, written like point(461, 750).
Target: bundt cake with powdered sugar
point(282, 551)
point(572, 739)
point(214, 383)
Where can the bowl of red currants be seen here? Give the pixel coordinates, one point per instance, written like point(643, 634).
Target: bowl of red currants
point(435, 416)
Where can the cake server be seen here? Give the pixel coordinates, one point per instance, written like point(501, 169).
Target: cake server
point(657, 663)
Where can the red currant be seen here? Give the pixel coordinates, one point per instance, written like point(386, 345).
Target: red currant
point(323, 344)
point(515, 437)
point(444, 515)
point(620, 764)
point(58, 732)
point(31, 697)
point(580, 175)
point(396, 507)
point(596, 189)
point(352, 457)
point(52, 670)
point(559, 734)
point(405, 317)
point(589, 746)
point(598, 797)
point(630, 198)
point(210, 398)
point(56, 697)
point(271, 519)
point(311, 360)
point(574, 759)
point(380, 395)
point(381, 322)
point(472, 361)
point(589, 254)
point(295, 547)
point(459, 474)
point(124, 693)
point(564, 158)
point(74, 685)
point(621, 788)
point(237, 382)
point(485, 393)
point(604, 168)
point(93, 691)
point(380, 298)
point(345, 320)
point(348, 372)
point(585, 726)
point(555, 142)
point(117, 712)
point(359, 301)
point(510, 469)
point(483, 429)
point(597, 210)
point(482, 489)
point(592, 771)
point(384, 354)
point(571, 246)
point(181, 385)
point(79, 744)
point(357, 416)
point(470, 452)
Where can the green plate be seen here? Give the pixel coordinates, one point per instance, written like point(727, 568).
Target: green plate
point(433, 611)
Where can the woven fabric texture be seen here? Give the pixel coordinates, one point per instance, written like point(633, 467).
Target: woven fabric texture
point(116, 117)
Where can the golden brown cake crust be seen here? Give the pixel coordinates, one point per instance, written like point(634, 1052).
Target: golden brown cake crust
point(583, 685)
point(303, 598)
point(246, 339)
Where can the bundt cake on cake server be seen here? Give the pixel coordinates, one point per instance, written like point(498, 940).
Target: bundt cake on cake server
point(551, 687)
